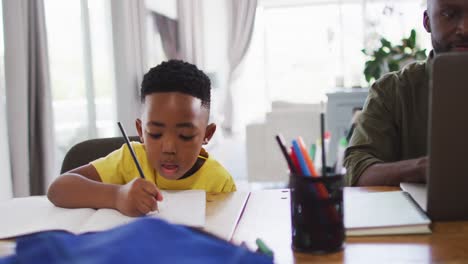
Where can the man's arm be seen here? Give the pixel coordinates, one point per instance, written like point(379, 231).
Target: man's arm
point(373, 156)
point(393, 173)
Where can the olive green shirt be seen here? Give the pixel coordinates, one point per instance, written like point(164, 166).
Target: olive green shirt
point(393, 123)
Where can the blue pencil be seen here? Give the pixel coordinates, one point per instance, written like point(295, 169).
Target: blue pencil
point(301, 159)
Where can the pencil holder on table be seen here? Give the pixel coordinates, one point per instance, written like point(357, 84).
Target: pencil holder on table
point(317, 213)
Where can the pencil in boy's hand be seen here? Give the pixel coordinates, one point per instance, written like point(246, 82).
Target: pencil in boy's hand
point(127, 141)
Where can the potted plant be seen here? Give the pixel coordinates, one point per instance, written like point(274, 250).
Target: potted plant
point(389, 58)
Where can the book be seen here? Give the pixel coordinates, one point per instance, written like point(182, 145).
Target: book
point(21, 216)
point(223, 211)
point(418, 191)
point(383, 213)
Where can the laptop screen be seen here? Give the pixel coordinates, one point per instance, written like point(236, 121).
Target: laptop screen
point(448, 138)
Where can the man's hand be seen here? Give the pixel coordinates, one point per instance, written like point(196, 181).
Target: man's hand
point(138, 197)
point(420, 172)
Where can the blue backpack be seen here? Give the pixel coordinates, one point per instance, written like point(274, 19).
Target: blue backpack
point(146, 240)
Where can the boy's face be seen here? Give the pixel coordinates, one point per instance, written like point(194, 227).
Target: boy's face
point(173, 128)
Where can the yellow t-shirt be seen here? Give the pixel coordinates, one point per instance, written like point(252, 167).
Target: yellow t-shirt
point(119, 168)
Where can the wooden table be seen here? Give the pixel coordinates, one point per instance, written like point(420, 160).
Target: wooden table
point(267, 216)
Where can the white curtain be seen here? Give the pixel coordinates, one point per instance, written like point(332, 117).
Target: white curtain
point(241, 15)
point(130, 49)
point(190, 20)
point(130, 57)
point(6, 187)
point(29, 106)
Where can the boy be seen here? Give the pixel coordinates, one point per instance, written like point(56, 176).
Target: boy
point(173, 127)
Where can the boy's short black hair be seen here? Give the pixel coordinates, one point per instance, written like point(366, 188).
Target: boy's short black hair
point(177, 76)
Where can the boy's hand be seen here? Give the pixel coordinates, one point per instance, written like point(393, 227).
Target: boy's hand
point(138, 197)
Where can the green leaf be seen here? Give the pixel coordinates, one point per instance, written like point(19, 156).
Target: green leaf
point(412, 39)
point(391, 57)
point(393, 66)
point(385, 43)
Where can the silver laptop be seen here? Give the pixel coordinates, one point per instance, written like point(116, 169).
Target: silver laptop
point(446, 192)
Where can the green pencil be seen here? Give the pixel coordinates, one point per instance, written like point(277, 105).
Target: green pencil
point(313, 148)
point(262, 247)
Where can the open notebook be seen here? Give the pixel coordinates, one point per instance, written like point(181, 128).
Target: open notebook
point(383, 213)
point(21, 216)
point(223, 211)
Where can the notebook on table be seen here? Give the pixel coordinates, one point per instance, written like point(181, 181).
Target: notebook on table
point(223, 211)
point(418, 191)
point(217, 214)
point(21, 216)
point(383, 213)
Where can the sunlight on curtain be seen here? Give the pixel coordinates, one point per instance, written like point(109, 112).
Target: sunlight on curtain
point(67, 75)
point(82, 73)
point(5, 171)
point(103, 67)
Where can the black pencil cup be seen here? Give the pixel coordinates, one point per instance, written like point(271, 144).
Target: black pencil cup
point(317, 213)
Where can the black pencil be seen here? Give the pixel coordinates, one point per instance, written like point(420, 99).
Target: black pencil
point(280, 140)
point(127, 141)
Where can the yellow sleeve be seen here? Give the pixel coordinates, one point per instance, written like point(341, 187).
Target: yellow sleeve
point(221, 180)
point(111, 168)
point(229, 186)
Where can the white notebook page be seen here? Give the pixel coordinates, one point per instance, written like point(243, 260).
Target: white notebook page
point(27, 215)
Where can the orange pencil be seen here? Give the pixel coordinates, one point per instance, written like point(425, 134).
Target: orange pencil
point(307, 158)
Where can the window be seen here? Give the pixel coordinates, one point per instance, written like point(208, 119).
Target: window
point(308, 47)
point(103, 67)
point(81, 70)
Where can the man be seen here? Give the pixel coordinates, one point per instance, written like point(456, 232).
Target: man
point(389, 142)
